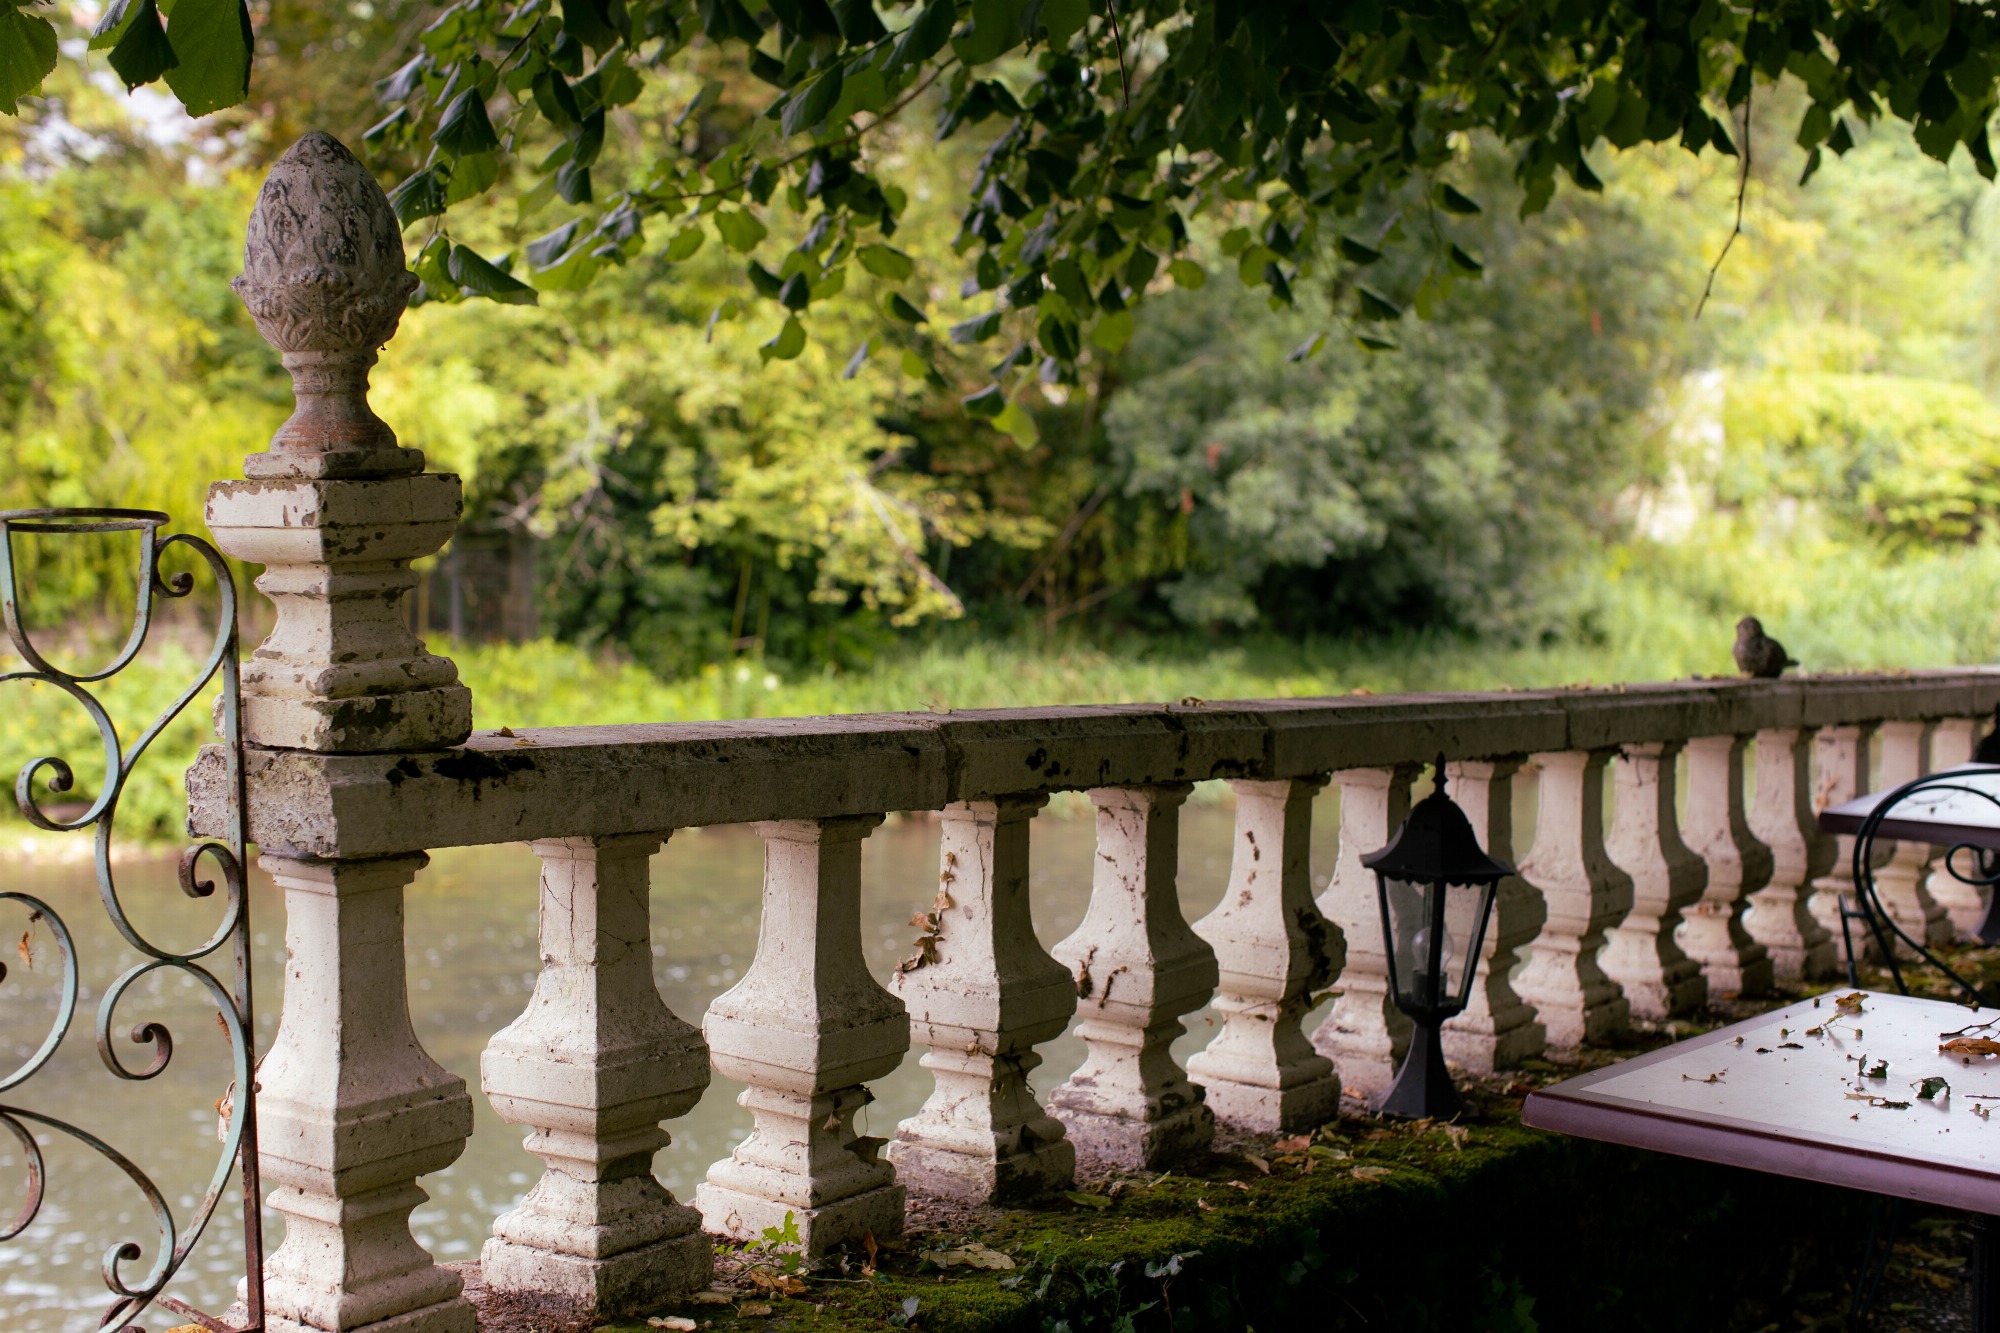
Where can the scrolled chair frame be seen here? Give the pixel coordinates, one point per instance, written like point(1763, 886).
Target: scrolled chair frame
point(132, 1296)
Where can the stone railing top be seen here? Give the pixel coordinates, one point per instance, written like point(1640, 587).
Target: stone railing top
point(600, 781)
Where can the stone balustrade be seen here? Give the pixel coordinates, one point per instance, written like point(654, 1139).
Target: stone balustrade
point(360, 762)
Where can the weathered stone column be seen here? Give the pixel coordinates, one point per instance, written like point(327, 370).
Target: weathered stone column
point(1718, 830)
point(1965, 904)
point(982, 992)
point(1498, 1028)
point(1365, 1034)
point(1138, 967)
point(1274, 950)
point(1843, 774)
point(351, 1110)
point(806, 1028)
point(1585, 895)
point(1640, 954)
point(1782, 818)
point(1901, 876)
point(592, 1067)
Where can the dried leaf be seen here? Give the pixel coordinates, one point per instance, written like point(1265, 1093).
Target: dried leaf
point(225, 1111)
point(713, 1298)
point(972, 1255)
point(1258, 1162)
point(1849, 1003)
point(673, 1321)
point(1297, 1143)
point(1320, 1150)
point(26, 948)
point(1458, 1134)
point(1790, 1046)
point(1931, 1087)
point(782, 1283)
point(1371, 1172)
point(1204, 1205)
point(754, 1310)
point(1716, 1077)
point(1971, 1046)
point(871, 1249)
point(1087, 1200)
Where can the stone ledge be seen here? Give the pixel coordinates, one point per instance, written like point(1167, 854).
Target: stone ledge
point(650, 778)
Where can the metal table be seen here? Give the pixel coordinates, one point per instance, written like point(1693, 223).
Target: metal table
point(1786, 1093)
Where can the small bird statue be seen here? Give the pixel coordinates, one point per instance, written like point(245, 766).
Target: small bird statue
point(1757, 653)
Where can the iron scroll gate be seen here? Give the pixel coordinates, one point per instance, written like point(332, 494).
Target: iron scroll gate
point(132, 1295)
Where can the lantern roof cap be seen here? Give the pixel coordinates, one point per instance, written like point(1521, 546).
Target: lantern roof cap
point(1437, 843)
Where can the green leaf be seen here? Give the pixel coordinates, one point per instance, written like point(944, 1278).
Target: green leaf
point(1354, 252)
point(1308, 349)
point(988, 403)
point(1187, 274)
point(465, 128)
point(766, 283)
point(1370, 343)
point(912, 363)
point(796, 293)
point(471, 177)
point(976, 330)
point(1064, 19)
point(1452, 201)
point(859, 24)
point(740, 230)
point(143, 53)
point(924, 38)
point(685, 243)
point(859, 359)
point(994, 31)
point(791, 340)
point(419, 197)
point(1464, 263)
point(885, 261)
point(806, 110)
point(1113, 331)
point(1374, 306)
point(212, 42)
point(112, 26)
point(429, 265)
point(898, 308)
point(546, 250)
point(479, 276)
point(27, 55)
point(1019, 422)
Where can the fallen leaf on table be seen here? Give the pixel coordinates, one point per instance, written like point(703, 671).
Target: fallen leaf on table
point(1849, 1003)
point(1087, 1200)
point(1929, 1089)
point(1971, 1046)
point(1371, 1172)
point(1716, 1077)
point(971, 1255)
point(673, 1321)
point(1790, 1046)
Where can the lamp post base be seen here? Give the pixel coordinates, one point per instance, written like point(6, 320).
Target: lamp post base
point(1423, 1088)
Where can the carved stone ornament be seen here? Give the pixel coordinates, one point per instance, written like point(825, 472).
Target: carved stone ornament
point(324, 279)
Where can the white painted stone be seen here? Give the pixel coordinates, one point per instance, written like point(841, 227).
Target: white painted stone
point(351, 1110)
point(1640, 953)
point(593, 1066)
point(982, 993)
point(1364, 1034)
point(1965, 904)
point(806, 1028)
point(1842, 761)
point(1901, 877)
point(1274, 950)
point(1138, 968)
point(1498, 1029)
point(1584, 894)
point(1783, 818)
point(1718, 831)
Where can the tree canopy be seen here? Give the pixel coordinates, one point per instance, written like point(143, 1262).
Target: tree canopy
point(1321, 135)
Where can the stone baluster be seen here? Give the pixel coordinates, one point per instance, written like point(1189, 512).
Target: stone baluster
point(1584, 894)
point(1965, 904)
point(982, 992)
point(806, 1028)
point(1365, 1034)
point(1782, 818)
point(1901, 875)
point(1498, 1029)
point(1138, 968)
point(1641, 954)
point(1274, 949)
point(353, 1110)
point(592, 1067)
point(1843, 764)
point(1718, 830)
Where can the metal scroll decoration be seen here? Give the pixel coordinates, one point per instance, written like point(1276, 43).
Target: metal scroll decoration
point(1964, 861)
point(134, 1291)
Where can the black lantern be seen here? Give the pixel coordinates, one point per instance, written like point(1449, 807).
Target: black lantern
point(1433, 865)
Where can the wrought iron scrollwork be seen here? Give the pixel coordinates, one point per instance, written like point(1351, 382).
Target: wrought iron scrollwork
point(1983, 871)
point(132, 1294)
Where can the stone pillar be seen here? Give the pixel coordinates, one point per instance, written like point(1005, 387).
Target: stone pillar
point(1965, 904)
point(1641, 954)
point(982, 993)
point(1783, 819)
point(1498, 1028)
point(1718, 830)
point(1585, 896)
point(1843, 775)
point(806, 1028)
point(351, 1110)
point(1138, 967)
point(1274, 950)
point(1365, 1035)
point(592, 1067)
point(1900, 877)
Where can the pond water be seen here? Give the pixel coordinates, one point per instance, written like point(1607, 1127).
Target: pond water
point(472, 960)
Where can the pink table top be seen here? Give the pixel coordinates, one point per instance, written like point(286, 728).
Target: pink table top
point(1788, 1093)
point(1945, 814)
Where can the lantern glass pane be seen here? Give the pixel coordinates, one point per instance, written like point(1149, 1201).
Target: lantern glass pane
point(1427, 948)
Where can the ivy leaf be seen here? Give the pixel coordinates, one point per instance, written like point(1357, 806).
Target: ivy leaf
point(27, 55)
point(925, 36)
point(740, 230)
point(465, 128)
point(481, 277)
point(143, 53)
point(212, 43)
point(791, 340)
point(976, 330)
point(885, 261)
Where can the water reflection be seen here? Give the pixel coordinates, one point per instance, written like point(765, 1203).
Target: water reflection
point(472, 962)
